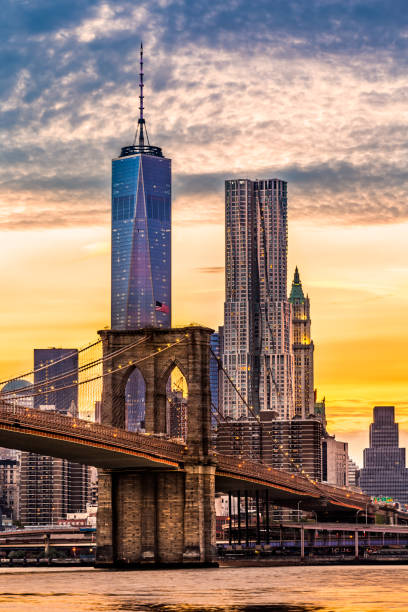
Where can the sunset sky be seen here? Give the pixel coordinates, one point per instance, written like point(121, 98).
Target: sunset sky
point(311, 91)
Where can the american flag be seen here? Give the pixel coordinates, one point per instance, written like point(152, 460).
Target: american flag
point(160, 307)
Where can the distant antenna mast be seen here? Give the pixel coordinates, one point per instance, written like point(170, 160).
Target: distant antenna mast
point(141, 121)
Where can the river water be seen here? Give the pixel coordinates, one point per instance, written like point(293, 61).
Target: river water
point(279, 589)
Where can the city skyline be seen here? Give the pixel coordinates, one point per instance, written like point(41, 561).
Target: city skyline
point(355, 276)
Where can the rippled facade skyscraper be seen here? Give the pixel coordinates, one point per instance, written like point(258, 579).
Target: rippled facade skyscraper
point(257, 349)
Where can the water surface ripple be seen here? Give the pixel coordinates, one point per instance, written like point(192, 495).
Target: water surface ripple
point(250, 589)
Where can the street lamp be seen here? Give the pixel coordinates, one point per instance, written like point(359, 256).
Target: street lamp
point(298, 510)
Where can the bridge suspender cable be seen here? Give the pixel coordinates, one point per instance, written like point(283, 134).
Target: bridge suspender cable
point(104, 374)
point(50, 381)
point(52, 363)
point(256, 418)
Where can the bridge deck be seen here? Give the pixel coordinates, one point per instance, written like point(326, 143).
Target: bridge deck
point(111, 448)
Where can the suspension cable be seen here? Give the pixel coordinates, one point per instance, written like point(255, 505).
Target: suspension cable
point(108, 373)
point(76, 352)
point(75, 371)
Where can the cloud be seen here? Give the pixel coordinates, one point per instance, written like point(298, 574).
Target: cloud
point(211, 270)
point(313, 92)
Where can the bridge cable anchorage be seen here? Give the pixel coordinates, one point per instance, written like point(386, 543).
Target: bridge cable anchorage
point(104, 374)
point(53, 363)
point(50, 381)
point(277, 442)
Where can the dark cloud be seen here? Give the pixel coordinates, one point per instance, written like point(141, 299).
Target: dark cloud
point(211, 270)
point(50, 75)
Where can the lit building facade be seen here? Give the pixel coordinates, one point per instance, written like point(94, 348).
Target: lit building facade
point(50, 487)
point(335, 461)
point(141, 239)
point(257, 351)
point(141, 232)
point(141, 247)
point(303, 348)
point(384, 473)
point(61, 364)
point(290, 445)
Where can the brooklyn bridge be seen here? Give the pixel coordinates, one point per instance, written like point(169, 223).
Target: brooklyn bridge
point(156, 498)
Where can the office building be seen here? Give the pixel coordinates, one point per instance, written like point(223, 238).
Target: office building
point(141, 246)
point(51, 487)
point(9, 489)
point(214, 375)
point(384, 473)
point(353, 474)
point(291, 445)
point(257, 346)
point(177, 414)
point(334, 461)
point(18, 392)
point(303, 348)
point(55, 369)
point(141, 233)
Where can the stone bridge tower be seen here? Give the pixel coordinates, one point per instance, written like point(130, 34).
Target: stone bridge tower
point(158, 516)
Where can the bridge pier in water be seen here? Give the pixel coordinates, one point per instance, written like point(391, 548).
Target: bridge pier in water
point(159, 516)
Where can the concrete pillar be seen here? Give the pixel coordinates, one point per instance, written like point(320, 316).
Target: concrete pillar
point(356, 544)
point(302, 542)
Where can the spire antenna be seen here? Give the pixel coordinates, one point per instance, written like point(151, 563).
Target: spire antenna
point(141, 121)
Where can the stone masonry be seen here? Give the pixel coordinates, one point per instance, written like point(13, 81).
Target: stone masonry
point(162, 517)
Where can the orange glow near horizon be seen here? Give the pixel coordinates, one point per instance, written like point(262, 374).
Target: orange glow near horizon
point(58, 293)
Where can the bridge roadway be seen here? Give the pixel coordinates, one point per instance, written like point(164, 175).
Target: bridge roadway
point(116, 449)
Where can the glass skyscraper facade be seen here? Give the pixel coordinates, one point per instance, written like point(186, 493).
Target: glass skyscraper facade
point(384, 473)
point(141, 240)
point(141, 247)
point(58, 363)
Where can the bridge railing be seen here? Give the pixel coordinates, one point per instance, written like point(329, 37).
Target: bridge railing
point(80, 428)
point(261, 471)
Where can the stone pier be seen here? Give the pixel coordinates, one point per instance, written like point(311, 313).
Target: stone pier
point(159, 517)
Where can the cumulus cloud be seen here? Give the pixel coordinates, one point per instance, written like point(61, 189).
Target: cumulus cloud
point(312, 92)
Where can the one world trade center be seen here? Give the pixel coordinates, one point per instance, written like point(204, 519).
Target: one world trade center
point(141, 232)
point(141, 246)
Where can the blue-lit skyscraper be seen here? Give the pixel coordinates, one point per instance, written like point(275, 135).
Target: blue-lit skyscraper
point(141, 233)
point(141, 247)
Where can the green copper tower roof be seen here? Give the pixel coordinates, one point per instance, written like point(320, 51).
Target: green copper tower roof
point(296, 291)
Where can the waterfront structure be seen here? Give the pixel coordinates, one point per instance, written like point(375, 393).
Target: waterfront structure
point(303, 348)
point(334, 461)
point(257, 348)
point(384, 473)
point(50, 487)
point(9, 489)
